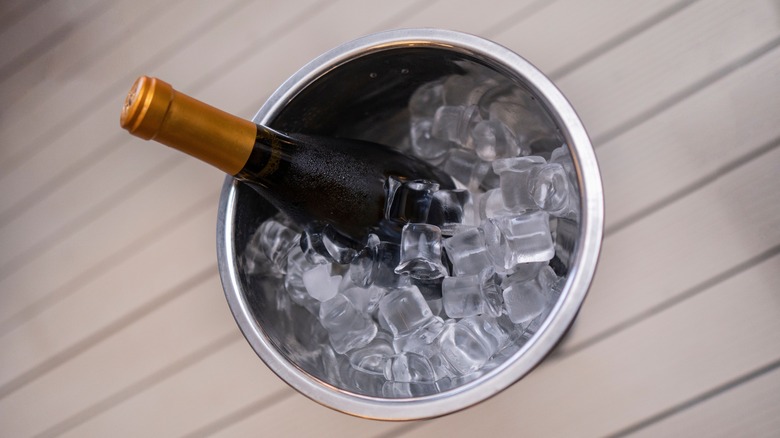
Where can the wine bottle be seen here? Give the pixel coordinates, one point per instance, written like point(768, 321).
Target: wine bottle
point(316, 181)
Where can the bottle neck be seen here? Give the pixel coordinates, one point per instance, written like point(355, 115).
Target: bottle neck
point(270, 151)
point(153, 110)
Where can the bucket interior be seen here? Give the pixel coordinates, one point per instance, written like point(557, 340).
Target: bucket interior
point(367, 97)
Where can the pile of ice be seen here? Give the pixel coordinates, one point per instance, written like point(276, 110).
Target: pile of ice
point(478, 269)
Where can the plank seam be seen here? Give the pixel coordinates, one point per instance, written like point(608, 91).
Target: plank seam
point(141, 385)
point(718, 173)
point(107, 331)
point(107, 263)
point(51, 40)
point(686, 92)
point(619, 39)
point(698, 399)
point(76, 114)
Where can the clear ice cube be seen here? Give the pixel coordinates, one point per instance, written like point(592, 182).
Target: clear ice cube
point(467, 252)
point(515, 239)
point(297, 264)
point(462, 296)
point(493, 139)
point(471, 295)
point(320, 284)
point(425, 145)
point(517, 176)
point(347, 327)
point(376, 265)
point(408, 368)
point(551, 190)
point(404, 310)
point(426, 99)
point(491, 204)
point(421, 252)
point(272, 243)
point(466, 167)
point(365, 299)
point(495, 331)
point(374, 357)
point(420, 340)
point(524, 300)
point(454, 123)
point(464, 350)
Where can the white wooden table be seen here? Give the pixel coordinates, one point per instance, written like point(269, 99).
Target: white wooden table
point(112, 318)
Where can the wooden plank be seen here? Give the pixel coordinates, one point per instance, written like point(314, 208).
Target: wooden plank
point(657, 363)
point(750, 409)
point(682, 146)
point(281, 420)
point(187, 250)
point(561, 32)
point(150, 44)
point(467, 16)
point(193, 397)
point(33, 32)
point(83, 45)
point(101, 240)
point(661, 257)
point(129, 359)
point(654, 66)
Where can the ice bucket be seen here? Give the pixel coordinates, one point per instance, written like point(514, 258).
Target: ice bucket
point(361, 90)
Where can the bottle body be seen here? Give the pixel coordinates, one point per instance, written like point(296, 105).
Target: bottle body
point(341, 183)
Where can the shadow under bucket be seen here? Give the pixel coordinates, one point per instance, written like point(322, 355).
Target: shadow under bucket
point(362, 90)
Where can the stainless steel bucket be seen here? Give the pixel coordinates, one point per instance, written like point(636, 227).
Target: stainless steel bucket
point(361, 89)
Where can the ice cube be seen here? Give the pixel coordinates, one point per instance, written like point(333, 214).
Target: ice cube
point(551, 191)
point(455, 123)
point(376, 266)
point(373, 357)
point(467, 252)
point(464, 350)
point(466, 167)
point(365, 299)
point(524, 300)
point(517, 176)
point(491, 204)
point(462, 296)
point(421, 339)
point(426, 99)
point(347, 327)
point(297, 263)
point(470, 295)
point(493, 139)
point(528, 120)
point(425, 145)
point(320, 284)
point(270, 243)
point(404, 310)
point(456, 89)
point(421, 252)
point(409, 367)
point(516, 239)
point(495, 331)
